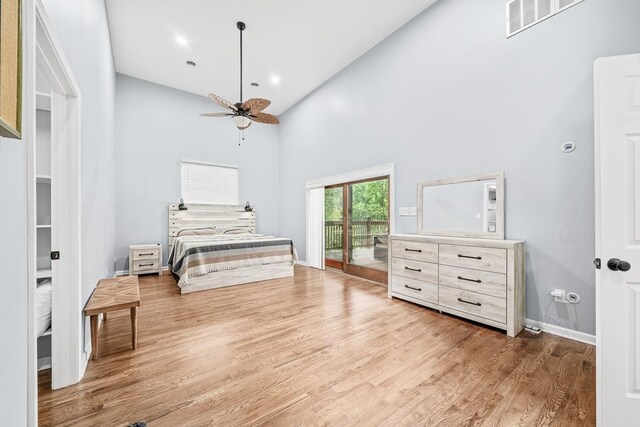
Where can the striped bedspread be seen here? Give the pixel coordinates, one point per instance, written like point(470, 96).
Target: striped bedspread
point(193, 256)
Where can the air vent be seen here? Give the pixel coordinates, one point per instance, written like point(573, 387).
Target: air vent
point(522, 14)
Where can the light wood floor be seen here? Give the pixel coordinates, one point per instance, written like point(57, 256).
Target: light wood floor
point(323, 348)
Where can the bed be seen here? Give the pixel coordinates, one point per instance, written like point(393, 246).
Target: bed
point(214, 246)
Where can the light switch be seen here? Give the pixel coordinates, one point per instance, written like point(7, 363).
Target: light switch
point(478, 215)
point(413, 211)
point(403, 211)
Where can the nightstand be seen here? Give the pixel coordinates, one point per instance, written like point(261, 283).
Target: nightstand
point(145, 259)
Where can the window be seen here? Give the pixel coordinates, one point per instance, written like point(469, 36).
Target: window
point(209, 183)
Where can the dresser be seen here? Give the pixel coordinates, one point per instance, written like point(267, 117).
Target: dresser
point(479, 279)
point(145, 259)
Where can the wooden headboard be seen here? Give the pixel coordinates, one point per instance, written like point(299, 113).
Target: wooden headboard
point(221, 217)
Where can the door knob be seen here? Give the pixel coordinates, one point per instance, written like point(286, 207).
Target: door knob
point(616, 264)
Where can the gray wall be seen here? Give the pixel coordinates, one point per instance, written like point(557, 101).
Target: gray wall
point(13, 285)
point(156, 127)
point(82, 29)
point(448, 95)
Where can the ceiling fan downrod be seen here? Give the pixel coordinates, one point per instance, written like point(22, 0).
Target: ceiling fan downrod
point(241, 26)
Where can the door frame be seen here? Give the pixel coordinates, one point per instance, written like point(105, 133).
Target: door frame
point(44, 56)
point(384, 170)
point(345, 266)
point(331, 263)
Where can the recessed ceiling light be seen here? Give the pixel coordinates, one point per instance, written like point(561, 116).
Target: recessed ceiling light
point(275, 80)
point(181, 40)
point(193, 64)
point(254, 84)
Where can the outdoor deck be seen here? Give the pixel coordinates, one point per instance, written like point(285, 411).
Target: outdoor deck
point(362, 257)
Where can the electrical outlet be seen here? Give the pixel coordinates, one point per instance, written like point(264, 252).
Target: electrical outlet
point(559, 295)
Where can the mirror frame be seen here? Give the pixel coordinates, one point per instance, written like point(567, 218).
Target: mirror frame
point(498, 234)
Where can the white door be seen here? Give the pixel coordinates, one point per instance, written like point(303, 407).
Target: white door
point(617, 168)
point(67, 318)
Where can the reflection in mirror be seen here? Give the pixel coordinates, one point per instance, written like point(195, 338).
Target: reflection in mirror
point(468, 207)
point(464, 207)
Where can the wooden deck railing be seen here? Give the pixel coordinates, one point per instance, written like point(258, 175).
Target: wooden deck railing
point(362, 233)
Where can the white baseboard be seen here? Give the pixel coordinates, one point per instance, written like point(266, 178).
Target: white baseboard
point(563, 332)
point(85, 360)
point(126, 272)
point(302, 263)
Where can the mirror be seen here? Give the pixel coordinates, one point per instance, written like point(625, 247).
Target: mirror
point(462, 207)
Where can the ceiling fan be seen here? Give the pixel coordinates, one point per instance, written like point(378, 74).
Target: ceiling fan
point(243, 113)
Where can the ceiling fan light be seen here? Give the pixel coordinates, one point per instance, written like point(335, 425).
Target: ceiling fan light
point(241, 122)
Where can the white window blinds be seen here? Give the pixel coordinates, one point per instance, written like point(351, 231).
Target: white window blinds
point(208, 183)
point(315, 228)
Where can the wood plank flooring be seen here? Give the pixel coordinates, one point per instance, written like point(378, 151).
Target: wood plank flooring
point(320, 348)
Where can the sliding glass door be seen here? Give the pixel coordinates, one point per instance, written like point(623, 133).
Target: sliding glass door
point(356, 237)
point(334, 226)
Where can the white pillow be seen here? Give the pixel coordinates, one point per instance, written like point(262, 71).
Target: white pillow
point(43, 306)
point(236, 231)
point(200, 231)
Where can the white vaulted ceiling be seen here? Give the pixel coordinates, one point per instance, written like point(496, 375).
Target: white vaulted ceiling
point(301, 43)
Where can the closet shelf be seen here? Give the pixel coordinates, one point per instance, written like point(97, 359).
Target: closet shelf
point(43, 226)
point(43, 179)
point(43, 274)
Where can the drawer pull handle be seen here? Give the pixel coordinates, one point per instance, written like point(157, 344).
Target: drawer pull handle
point(411, 287)
point(469, 302)
point(149, 254)
point(412, 250)
point(146, 265)
point(469, 280)
point(413, 269)
point(470, 257)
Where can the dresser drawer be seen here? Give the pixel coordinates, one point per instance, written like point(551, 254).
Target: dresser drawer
point(141, 266)
point(470, 302)
point(418, 251)
point(424, 291)
point(482, 282)
point(145, 254)
point(477, 258)
point(418, 270)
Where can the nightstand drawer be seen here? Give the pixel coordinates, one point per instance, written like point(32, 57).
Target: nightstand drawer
point(146, 254)
point(144, 259)
point(142, 266)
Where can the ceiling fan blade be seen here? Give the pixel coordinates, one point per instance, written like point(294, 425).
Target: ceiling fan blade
point(255, 105)
point(222, 102)
point(216, 114)
point(264, 118)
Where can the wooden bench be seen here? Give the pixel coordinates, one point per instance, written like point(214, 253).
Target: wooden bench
point(114, 294)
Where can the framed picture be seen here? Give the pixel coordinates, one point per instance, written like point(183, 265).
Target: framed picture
point(10, 69)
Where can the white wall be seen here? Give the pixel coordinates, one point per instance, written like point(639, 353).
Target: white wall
point(448, 95)
point(156, 127)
